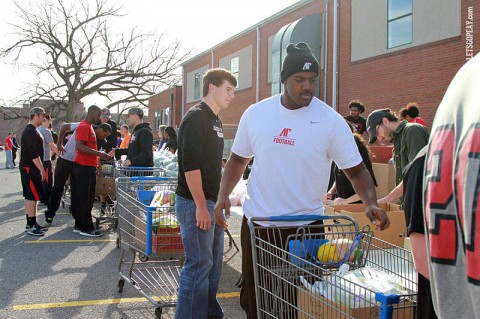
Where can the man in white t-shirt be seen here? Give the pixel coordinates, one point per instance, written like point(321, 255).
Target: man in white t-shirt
point(294, 137)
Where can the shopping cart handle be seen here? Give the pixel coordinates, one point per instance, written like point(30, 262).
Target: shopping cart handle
point(149, 178)
point(291, 218)
point(142, 168)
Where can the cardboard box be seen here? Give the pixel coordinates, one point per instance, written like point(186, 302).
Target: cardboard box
point(395, 234)
point(385, 175)
point(381, 153)
point(165, 240)
point(316, 306)
point(105, 186)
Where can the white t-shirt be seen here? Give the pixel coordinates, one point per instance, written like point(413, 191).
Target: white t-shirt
point(293, 151)
point(47, 139)
point(69, 148)
point(451, 198)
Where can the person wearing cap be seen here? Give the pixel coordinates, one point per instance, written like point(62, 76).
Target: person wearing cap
point(85, 171)
point(139, 152)
point(49, 147)
point(358, 123)
point(112, 138)
point(32, 172)
point(200, 150)
point(293, 137)
point(407, 138)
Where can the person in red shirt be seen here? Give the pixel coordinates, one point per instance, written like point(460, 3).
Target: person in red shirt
point(8, 151)
point(84, 171)
point(411, 114)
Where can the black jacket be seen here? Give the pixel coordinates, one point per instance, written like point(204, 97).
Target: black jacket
point(139, 151)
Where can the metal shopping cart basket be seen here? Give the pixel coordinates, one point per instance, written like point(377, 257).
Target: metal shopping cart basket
point(325, 267)
point(149, 231)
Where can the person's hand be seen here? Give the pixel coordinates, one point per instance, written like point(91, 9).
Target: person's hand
point(378, 217)
point(327, 198)
point(383, 200)
point(60, 149)
point(222, 204)
point(204, 221)
point(340, 201)
point(126, 162)
point(43, 174)
point(112, 152)
point(104, 156)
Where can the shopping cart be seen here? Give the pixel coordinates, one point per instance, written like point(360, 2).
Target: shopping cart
point(129, 171)
point(329, 271)
point(151, 232)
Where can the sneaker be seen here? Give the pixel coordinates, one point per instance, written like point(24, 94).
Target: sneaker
point(48, 221)
point(93, 233)
point(34, 231)
point(41, 228)
point(76, 230)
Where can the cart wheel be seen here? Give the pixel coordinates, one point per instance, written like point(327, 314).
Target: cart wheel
point(121, 283)
point(158, 313)
point(144, 258)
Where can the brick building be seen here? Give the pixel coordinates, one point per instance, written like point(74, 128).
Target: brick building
point(386, 53)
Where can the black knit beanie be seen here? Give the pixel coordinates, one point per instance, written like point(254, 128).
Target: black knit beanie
point(299, 59)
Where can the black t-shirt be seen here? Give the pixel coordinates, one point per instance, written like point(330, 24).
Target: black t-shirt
point(343, 184)
point(200, 146)
point(412, 195)
point(359, 124)
point(171, 144)
point(31, 146)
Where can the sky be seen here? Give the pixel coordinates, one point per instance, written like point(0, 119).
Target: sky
point(198, 25)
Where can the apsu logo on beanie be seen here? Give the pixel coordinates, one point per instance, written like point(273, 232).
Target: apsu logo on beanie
point(299, 58)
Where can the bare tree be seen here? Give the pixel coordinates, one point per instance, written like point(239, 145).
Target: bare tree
point(80, 56)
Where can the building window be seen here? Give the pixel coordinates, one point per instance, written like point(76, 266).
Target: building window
point(196, 87)
point(166, 116)
point(157, 120)
point(235, 67)
point(400, 27)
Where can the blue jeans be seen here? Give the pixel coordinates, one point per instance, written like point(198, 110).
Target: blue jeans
point(200, 276)
point(9, 159)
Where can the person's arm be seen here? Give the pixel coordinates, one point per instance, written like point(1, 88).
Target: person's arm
point(82, 147)
point(232, 173)
point(53, 148)
point(38, 163)
point(394, 195)
point(61, 136)
point(329, 195)
point(344, 201)
point(362, 182)
point(194, 182)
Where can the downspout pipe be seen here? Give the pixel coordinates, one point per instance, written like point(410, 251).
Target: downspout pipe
point(335, 55)
point(257, 72)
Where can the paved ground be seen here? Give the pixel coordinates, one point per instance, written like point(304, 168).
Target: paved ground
point(63, 275)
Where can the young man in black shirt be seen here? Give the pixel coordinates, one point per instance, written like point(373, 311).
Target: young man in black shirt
point(32, 171)
point(200, 149)
point(358, 123)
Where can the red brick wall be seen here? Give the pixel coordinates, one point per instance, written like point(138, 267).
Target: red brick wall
point(419, 74)
point(161, 101)
point(245, 97)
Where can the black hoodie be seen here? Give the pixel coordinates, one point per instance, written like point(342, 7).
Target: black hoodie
point(140, 151)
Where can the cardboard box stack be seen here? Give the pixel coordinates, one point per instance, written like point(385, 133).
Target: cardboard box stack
point(395, 234)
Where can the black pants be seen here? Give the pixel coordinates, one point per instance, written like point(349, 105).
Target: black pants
point(48, 183)
point(63, 170)
point(83, 192)
point(247, 293)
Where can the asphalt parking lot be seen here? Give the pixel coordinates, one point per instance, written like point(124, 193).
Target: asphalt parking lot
point(63, 275)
